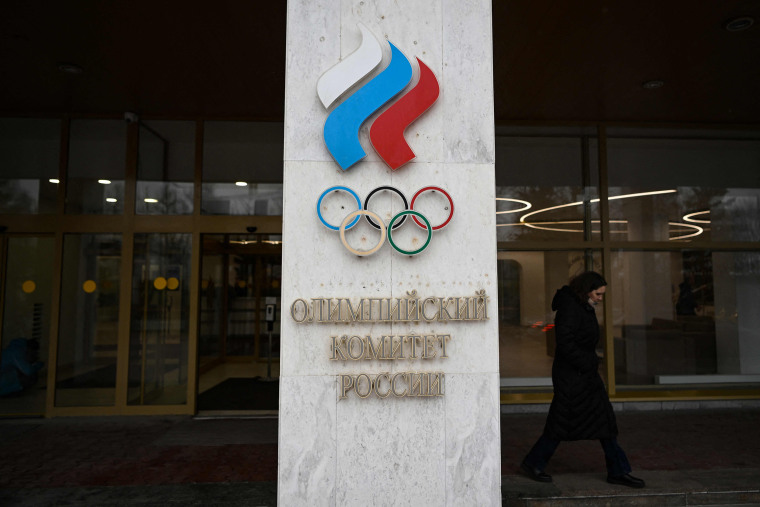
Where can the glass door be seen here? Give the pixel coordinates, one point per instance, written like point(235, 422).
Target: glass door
point(238, 344)
point(26, 297)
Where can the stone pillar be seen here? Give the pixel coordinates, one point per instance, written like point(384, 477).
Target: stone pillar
point(440, 446)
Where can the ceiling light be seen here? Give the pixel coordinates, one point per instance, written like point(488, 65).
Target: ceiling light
point(739, 24)
point(150, 199)
point(652, 84)
point(241, 183)
point(111, 199)
point(54, 180)
point(70, 68)
point(611, 198)
point(104, 182)
point(696, 228)
point(690, 217)
point(526, 205)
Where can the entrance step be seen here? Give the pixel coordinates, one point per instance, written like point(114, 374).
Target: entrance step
point(725, 487)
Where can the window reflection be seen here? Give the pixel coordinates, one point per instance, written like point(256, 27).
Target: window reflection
point(29, 165)
point(546, 188)
point(97, 154)
point(527, 284)
point(707, 189)
point(165, 168)
point(686, 317)
point(159, 328)
point(26, 325)
point(242, 168)
point(88, 328)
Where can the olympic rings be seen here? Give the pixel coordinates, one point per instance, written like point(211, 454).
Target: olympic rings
point(451, 207)
point(414, 214)
point(376, 222)
point(367, 214)
point(379, 189)
point(336, 188)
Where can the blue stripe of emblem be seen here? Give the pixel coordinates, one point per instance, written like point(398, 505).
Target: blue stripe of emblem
point(342, 125)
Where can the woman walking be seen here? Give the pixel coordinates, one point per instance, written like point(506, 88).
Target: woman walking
point(580, 408)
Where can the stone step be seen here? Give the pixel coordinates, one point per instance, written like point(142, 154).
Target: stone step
point(664, 488)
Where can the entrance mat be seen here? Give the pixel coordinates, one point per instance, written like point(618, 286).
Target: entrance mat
point(241, 394)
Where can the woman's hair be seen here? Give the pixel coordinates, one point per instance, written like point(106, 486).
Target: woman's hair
point(587, 282)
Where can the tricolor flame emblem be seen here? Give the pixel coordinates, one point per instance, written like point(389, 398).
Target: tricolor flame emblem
point(341, 132)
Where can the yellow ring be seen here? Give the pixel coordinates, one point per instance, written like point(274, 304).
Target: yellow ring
point(343, 232)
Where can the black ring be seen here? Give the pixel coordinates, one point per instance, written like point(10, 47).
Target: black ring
point(392, 189)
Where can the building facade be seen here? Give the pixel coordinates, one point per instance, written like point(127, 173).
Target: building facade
point(140, 252)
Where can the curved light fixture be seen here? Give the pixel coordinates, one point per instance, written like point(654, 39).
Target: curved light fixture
point(577, 203)
point(697, 228)
point(690, 217)
point(739, 24)
point(542, 225)
point(526, 205)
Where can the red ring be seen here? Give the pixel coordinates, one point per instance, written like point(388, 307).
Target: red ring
point(451, 203)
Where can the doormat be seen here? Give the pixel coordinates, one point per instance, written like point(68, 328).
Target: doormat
point(241, 394)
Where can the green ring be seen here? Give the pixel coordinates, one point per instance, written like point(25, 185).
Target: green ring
point(415, 213)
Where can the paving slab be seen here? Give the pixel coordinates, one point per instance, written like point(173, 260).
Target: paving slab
point(687, 457)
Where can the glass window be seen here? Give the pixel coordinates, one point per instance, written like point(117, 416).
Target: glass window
point(97, 151)
point(527, 284)
point(165, 168)
point(29, 150)
point(158, 342)
point(683, 188)
point(546, 187)
point(26, 325)
point(89, 322)
point(686, 317)
point(242, 168)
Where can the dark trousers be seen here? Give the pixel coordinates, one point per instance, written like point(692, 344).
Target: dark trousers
point(542, 451)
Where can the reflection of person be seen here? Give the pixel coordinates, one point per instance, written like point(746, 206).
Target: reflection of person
point(686, 304)
point(580, 408)
point(19, 366)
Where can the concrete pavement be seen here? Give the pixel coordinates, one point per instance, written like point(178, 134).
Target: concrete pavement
point(687, 457)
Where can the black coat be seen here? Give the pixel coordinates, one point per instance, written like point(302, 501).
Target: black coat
point(580, 409)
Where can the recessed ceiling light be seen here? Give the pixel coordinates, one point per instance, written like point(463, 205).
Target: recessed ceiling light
point(104, 182)
point(54, 180)
point(150, 199)
point(652, 84)
point(111, 199)
point(70, 68)
point(739, 24)
point(241, 183)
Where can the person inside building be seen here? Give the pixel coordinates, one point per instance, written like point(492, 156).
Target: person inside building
point(580, 408)
point(19, 366)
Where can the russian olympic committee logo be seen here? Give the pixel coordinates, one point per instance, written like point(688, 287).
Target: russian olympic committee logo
point(376, 222)
point(341, 131)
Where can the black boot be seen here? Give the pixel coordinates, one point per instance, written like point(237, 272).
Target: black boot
point(626, 480)
point(535, 473)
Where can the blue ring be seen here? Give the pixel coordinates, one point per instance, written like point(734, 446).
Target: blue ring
point(319, 203)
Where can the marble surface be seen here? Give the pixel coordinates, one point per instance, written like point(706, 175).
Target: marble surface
point(410, 450)
point(307, 441)
point(459, 261)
